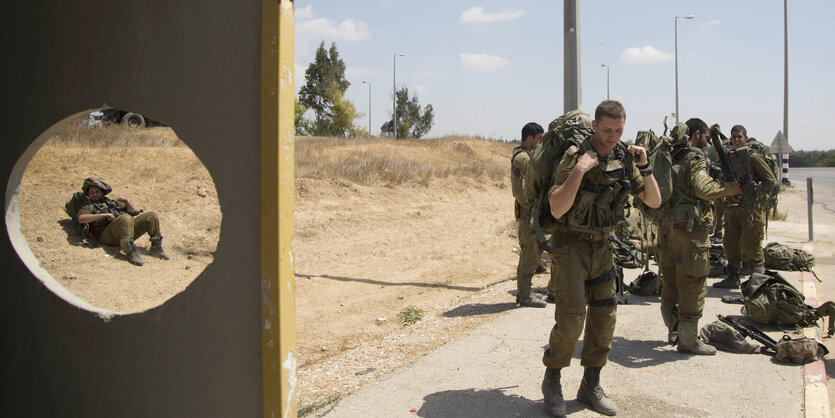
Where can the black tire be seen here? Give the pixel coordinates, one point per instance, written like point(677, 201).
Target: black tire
point(133, 120)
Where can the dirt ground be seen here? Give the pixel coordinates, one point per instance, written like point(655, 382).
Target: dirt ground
point(365, 251)
point(156, 172)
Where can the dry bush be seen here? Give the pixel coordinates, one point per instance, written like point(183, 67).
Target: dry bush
point(76, 133)
point(391, 162)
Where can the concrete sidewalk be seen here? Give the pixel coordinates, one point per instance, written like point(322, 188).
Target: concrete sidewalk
point(496, 371)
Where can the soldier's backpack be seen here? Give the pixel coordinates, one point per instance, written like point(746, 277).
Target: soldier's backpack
point(770, 299)
point(76, 202)
point(569, 129)
point(771, 161)
point(659, 155)
point(780, 257)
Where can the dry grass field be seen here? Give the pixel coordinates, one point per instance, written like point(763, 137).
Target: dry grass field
point(153, 169)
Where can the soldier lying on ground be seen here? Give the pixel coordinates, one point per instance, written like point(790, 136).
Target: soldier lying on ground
point(117, 222)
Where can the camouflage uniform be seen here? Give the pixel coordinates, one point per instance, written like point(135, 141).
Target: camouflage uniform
point(744, 233)
point(684, 244)
point(582, 260)
point(125, 227)
point(528, 246)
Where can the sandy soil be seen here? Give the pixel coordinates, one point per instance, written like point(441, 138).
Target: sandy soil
point(167, 179)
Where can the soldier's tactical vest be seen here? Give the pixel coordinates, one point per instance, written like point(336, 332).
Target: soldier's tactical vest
point(517, 176)
point(684, 206)
point(604, 190)
point(106, 205)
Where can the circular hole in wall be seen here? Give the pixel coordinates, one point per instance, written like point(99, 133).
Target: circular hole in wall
point(144, 162)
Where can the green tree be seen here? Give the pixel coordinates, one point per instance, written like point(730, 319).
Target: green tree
point(341, 120)
point(324, 81)
point(303, 126)
point(412, 121)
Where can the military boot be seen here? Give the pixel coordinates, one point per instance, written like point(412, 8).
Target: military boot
point(130, 251)
point(689, 341)
point(531, 302)
point(758, 269)
point(552, 392)
point(590, 393)
point(670, 317)
point(730, 282)
point(156, 247)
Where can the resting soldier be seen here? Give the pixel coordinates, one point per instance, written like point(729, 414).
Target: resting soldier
point(587, 198)
point(117, 222)
point(745, 217)
point(528, 247)
point(683, 238)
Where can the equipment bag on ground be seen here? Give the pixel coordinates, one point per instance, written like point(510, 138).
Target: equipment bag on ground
point(770, 299)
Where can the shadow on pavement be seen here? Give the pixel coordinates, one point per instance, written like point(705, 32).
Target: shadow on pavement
point(469, 403)
point(640, 353)
point(474, 309)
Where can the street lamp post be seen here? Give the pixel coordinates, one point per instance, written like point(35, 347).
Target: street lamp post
point(676, 37)
point(369, 106)
point(607, 80)
point(394, 92)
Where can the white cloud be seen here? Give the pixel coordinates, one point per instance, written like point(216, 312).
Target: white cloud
point(299, 70)
point(304, 13)
point(483, 62)
point(478, 15)
point(310, 28)
point(705, 25)
point(360, 72)
point(645, 55)
point(420, 88)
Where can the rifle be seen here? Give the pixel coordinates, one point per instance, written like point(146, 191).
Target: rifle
point(751, 332)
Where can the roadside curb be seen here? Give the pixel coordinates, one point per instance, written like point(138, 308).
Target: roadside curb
point(816, 392)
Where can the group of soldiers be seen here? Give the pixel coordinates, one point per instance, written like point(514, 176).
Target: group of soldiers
point(583, 276)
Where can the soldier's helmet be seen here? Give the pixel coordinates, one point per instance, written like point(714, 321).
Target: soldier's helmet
point(92, 181)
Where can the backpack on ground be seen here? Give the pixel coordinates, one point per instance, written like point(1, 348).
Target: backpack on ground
point(569, 129)
point(780, 257)
point(770, 299)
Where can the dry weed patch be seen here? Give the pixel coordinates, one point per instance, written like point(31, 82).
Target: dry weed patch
point(389, 162)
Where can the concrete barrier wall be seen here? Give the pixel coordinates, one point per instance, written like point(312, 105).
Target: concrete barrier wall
point(195, 66)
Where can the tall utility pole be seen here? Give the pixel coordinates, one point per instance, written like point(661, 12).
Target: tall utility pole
point(571, 56)
point(785, 84)
point(394, 93)
point(607, 80)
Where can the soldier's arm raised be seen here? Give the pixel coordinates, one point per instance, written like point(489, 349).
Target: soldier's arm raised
point(705, 186)
point(651, 195)
point(562, 198)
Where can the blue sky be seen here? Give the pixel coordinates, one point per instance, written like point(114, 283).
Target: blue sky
point(489, 67)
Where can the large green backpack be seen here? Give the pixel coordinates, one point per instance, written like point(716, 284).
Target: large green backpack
point(569, 129)
point(780, 257)
point(770, 299)
point(659, 155)
point(771, 161)
point(76, 202)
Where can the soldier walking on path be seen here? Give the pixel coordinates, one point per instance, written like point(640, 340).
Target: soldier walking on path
point(590, 186)
point(683, 237)
point(528, 247)
point(745, 216)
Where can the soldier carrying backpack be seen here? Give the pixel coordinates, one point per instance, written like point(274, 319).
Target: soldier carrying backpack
point(586, 194)
point(685, 220)
point(113, 222)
